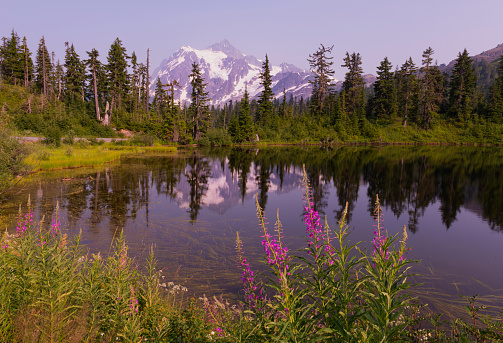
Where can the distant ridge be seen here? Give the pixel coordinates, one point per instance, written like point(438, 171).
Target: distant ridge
point(488, 56)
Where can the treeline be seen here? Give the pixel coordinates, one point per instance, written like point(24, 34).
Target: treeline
point(89, 96)
point(410, 95)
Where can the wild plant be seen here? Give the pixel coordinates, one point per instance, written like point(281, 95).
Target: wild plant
point(386, 272)
point(329, 294)
point(51, 291)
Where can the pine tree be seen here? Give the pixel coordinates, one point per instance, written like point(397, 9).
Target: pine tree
point(384, 101)
point(74, 78)
point(12, 60)
point(135, 83)
point(117, 74)
point(407, 90)
point(462, 88)
point(198, 109)
point(265, 105)
point(320, 65)
point(147, 82)
point(57, 78)
point(95, 69)
point(43, 68)
point(27, 63)
point(496, 95)
point(160, 101)
point(430, 90)
point(354, 86)
point(245, 119)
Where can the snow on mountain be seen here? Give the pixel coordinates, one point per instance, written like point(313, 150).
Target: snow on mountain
point(227, 71)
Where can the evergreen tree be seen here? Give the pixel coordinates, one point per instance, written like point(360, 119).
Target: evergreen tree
point(43, 68)
point(57, 78)
point(234, 129)
point(407, 90)
point(496, 95)
point(384, 101)
point(198, 109)
point(117, 74)
point(12, 60)
point(95, 69)
point(320, 65)
point(74, 78)
point(160, 101)
point(283, 108)
point(265, 106)
point(245, 119)
point(135, 83)
point(431, 89)
point(27, 63)
point(354, 87)
point(462, 88)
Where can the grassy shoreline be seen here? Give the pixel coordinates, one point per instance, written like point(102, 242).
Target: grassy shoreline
point(68, 157)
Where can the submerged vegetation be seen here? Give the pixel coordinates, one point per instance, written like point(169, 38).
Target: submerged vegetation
point(52, 290)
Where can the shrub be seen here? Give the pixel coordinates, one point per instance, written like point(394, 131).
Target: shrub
point(143, 140)
point(215, 137)
point(69, 138)
point(52, 136)
point(12, 154)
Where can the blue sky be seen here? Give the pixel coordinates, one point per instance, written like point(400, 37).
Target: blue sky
point(288, 31)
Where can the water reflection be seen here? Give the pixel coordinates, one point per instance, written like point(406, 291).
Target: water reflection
point(191, 204)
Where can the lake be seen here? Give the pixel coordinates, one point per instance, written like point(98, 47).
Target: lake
point(189, 206)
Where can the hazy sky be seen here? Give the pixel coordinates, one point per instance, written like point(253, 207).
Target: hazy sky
point(287, 30)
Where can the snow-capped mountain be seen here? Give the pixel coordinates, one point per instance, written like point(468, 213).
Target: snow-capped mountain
point(226, 71)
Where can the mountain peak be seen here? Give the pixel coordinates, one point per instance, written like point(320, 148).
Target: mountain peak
point(226, 47)
point(227, 72)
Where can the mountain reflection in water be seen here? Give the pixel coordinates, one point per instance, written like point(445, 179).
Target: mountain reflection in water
point(191, 205)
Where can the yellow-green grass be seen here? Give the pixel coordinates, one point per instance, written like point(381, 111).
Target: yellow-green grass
point(44, 158)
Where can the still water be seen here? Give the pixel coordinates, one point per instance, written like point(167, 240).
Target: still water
point(189, 207)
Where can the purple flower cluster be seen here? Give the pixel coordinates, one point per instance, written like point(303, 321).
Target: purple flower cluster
point(24, 224)
point(249, 285)
point(380, 235)
point(315, 232)
point(313, 225)
point(55, 224)
point(133, 303)
point(275, 252)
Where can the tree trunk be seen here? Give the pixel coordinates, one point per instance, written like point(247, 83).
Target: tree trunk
point(96, 102)
point(147, 84)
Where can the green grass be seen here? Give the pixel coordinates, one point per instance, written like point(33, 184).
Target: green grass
point(48, 158)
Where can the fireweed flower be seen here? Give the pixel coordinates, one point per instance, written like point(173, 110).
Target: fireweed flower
point(55, 223)
point(275, 251)
point(247, 277)
point(380, 235)
point(133, 303)
point(24, 223)
point(314, 229)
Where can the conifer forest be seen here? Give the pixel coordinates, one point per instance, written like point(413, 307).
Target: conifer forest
point(99, 94)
